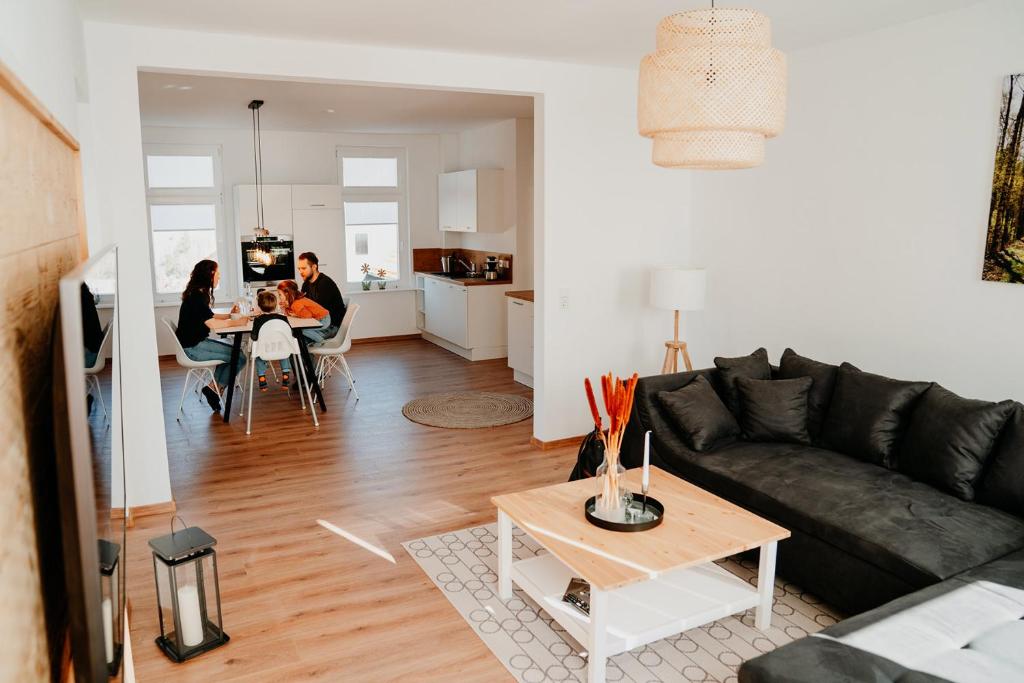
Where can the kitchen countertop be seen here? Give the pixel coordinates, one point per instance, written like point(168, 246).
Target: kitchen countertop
point(466, 281)
point(524, 294)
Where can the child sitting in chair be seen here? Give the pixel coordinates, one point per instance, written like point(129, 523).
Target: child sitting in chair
point(269, 305)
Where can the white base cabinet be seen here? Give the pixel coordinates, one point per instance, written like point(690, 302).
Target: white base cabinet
point(467, 320)
point(520, 340)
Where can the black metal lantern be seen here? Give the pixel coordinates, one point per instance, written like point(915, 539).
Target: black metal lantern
point(112, 609)
point(188, 593)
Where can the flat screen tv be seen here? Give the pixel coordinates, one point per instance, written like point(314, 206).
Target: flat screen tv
point(90, 470)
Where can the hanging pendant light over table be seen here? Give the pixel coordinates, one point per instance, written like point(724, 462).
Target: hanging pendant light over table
point(713, 91)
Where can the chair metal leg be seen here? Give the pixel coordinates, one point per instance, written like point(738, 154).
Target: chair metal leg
point(304, 384)
point(248, 420)
point(184, 390)
point(302, 395)
point(99, 395)
point(348, 375)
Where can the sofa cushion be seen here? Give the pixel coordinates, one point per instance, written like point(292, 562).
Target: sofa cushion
point(907, 528)
point(699, 415)
point(868, 414)
point(1002, 484)
point(794, 365)
point(950, 438)
point(774, 409)
point(754, 366)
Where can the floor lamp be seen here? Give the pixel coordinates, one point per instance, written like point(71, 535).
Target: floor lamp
point(677, 289)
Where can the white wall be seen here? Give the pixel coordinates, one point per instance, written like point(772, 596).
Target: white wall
point(861, 237)
point(308, 158)
point(603, 212)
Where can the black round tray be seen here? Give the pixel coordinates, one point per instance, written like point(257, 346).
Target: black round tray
point(637, 503)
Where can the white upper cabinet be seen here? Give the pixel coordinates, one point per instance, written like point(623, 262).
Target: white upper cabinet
point(277, 209)
point(316, 197)
point(471, 201)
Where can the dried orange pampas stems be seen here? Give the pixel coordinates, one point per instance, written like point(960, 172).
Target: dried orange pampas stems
point(618, 403)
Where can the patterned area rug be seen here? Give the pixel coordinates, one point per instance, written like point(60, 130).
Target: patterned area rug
point(468, 409)
point(534, 648)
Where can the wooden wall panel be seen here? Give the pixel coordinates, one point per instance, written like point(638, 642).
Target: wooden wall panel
point(42, 223)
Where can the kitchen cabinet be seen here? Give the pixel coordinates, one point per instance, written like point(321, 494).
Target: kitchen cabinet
point(316, 197)
point(467, 320)
point(277, 209)
point(471, 201)
point(321, 231)
point(520, 340)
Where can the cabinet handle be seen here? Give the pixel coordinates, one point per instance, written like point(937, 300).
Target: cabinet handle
point(517, 303)
point(318, 205)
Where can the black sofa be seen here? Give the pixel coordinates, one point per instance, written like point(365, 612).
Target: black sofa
point(863, 534)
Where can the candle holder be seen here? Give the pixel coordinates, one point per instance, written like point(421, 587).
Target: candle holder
point(112, 608)
point(188, 593)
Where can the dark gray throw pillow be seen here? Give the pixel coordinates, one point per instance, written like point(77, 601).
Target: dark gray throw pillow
point(774, 409)
point(949, 439)
point(1002, 484)
point(868, 414)
point(699, 415)
point(754, 366)
point(794, 365)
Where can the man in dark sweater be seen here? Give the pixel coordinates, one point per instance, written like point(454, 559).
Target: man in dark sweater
point(321, 289)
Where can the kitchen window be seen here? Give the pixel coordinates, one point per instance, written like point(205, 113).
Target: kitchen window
point(374, 206)
point(184, 207)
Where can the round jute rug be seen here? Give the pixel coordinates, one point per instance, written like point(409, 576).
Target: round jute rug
point(468, 409)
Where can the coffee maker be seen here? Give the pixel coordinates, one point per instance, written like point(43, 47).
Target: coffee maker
point(491, 268)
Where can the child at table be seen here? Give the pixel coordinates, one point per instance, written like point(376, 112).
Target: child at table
point(269, 305)
point(298, 305)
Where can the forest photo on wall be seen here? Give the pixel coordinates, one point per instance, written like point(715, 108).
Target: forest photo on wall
point(1004, 245)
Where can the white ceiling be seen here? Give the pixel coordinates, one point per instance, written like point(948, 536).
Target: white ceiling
point(615, 32)
point(214, 102)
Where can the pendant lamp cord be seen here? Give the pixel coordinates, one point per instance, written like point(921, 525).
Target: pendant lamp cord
point(255, 168)
point(259, 141)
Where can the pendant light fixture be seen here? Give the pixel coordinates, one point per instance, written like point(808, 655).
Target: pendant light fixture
point(257, 165)
point(713, 90)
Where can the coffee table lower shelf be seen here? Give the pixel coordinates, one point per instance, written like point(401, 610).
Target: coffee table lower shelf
point(642, 612)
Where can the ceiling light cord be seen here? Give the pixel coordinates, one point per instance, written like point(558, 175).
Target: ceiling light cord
point(259, 142)
point(255, 168)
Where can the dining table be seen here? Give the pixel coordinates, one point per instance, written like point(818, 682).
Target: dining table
point(243, 326)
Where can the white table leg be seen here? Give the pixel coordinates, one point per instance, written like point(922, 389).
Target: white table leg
point(765, 586)
point(504, 556)
point(598, 645)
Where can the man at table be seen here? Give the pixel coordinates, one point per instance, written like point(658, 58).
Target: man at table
point(321, 289)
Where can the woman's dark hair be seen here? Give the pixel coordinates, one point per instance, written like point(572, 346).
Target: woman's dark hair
point(201, 280)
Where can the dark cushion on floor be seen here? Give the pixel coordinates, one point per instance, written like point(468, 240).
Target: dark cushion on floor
point(1002, 484)
point(868, 414)
point(794, 365)
point(907, 528)
point(774, 409)
point(950, 438)
point(699, 415)
point(754, 366)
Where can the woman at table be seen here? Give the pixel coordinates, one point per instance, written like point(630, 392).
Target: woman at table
point(298, 305)
point(195, 321)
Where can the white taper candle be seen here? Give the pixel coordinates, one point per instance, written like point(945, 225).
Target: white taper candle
point(647, 462)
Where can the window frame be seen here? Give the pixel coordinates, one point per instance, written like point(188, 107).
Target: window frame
point(399, 194)
point(189, 195)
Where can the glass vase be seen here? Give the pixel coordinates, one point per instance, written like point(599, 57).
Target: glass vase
point(610, 503)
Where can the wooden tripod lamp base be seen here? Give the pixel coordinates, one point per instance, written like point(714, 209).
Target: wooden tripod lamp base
point(674, 349)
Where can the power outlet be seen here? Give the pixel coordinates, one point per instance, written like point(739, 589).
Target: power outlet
point(563, 299)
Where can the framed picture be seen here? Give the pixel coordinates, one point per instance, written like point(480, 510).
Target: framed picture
point(1004, 242)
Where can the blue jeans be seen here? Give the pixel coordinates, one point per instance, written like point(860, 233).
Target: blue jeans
point(211, 349)
point(261, 366)
point(318, 335)
point(90, 357)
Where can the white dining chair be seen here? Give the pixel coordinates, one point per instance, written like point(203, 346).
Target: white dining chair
point(275, 343)
point(199, 371)
point(331, 354)
point(92, 382)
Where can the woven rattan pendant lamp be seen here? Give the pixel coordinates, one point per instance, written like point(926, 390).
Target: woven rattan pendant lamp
point(713, 91)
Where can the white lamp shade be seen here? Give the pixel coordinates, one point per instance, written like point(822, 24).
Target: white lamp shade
point(678, 289)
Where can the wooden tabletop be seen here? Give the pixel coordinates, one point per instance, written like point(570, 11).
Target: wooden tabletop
point(524, 294)
point(699, 527)
point(244, 326)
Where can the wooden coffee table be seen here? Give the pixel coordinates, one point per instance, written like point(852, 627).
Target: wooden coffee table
point(643, 586)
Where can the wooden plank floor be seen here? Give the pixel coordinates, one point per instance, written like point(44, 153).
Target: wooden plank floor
point(300, 602)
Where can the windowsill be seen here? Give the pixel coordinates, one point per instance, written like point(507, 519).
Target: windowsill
point(374, 290)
